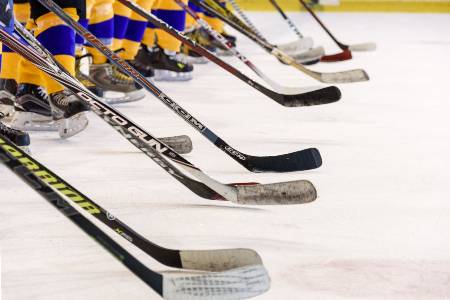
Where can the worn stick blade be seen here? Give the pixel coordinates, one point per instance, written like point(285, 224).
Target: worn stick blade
point(363, 47)
point(282, 193)
point(241, 283)
point(219, 260)
point(357, 75)
point(180, 143)
point(303, 44)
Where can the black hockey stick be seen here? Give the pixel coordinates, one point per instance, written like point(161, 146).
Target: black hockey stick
point(240, 283)
point(356, 47)
point(228, 45)
point(295, 161)
point(286, 18)
point(334, 77)
point(293, 192)
point(205, 260)
point(305, 98)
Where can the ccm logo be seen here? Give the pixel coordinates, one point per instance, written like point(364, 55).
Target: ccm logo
point(235, 153)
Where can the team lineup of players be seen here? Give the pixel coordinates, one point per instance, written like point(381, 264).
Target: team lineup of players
point(35, 101)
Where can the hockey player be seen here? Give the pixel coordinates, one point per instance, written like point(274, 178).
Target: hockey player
point(161, 49)
point(104, 76)
point(21, 139)
point(40, 102)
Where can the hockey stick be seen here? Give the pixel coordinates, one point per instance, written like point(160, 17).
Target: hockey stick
point(345, 55)
point(301, 191)
point(305, 97)
point(226, 44)
point(356, 47)
point(334, 77)
point(205, 260)
point(295, 161)
point(240, 283)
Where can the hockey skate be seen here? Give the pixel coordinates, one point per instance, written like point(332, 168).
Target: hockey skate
point(20, 138)
point(70, 113)
point(111, 80)
point(142, 64)
point(169, 66)
point(8, 88)
point(201, 37)
point(32, 110)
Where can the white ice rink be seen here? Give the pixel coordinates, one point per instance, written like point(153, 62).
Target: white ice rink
point(380, 228)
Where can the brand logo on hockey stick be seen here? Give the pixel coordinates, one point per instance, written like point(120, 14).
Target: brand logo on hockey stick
point(234, 152)
point(50, 179)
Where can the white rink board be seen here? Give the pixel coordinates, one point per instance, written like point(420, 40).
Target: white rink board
point(380, 228)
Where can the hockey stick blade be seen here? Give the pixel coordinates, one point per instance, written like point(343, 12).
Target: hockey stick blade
point(305, 159)
point(181, 144)
point(357, 75)
point(314, 53)
point(218, 260)
point(344, 55)
point(281, 193)
point(320, 96)
point(363, 47)
point(299, 45)
point(241, 283)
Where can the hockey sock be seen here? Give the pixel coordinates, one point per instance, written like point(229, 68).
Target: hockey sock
point(101, 24)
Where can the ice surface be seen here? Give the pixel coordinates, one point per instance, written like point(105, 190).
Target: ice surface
point(380, 228)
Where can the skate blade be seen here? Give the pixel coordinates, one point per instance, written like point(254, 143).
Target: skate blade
point(127, 97)
point(166, 75)
point(73, 125)
point(6, 110)
point(28, 121)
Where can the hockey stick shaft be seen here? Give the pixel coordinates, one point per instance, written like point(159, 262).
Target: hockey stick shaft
point(313, 14)
point(286, 18)
point(246, 19)
point(38, 179)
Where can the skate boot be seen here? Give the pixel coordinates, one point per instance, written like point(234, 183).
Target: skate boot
point(201, 37)
point(169, 66)
point(220, 49)
point(69, 112)
point(32, 110)
point(20, 138)
point(109, 78)
point(85, 80)
point(142, 64)
point(231, 38)
point(8, 88)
